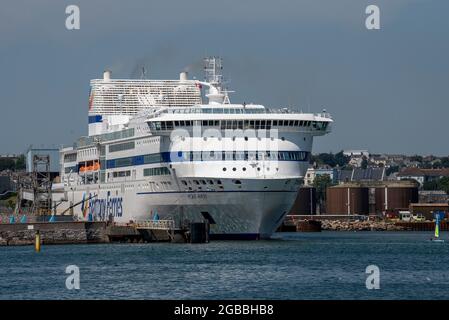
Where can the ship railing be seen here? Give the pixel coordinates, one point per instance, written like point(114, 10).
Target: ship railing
point(155, 224)
point(193, 110)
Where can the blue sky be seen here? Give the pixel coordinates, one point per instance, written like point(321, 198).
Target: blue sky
point(388, 90)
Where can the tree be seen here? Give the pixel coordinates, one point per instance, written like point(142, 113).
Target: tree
point(341, 159)
point(416, 158)
point(443, 184)
point(392, 169)
point(7, 164)
point(444, 161)
point(364, 163)
point(430, 185)
point(321, 183)
point(20, 163)
point(327, 158)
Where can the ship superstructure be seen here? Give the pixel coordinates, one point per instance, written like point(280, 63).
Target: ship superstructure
point(156, 150)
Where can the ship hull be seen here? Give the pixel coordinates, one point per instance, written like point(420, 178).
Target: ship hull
point(253, 212)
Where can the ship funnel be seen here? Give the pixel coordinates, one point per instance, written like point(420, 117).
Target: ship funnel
point(183, 76)
point(107, 75)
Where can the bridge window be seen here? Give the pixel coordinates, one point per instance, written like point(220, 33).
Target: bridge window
point(156, 171)
point(120, 174)
point(122, 146)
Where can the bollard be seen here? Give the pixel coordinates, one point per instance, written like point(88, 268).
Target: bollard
point(37, 241)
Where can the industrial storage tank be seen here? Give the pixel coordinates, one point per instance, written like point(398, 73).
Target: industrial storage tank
point(395, 196)
point(305, 202)
point(347, 200)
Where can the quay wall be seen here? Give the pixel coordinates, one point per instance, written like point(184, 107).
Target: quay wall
point(53, 233)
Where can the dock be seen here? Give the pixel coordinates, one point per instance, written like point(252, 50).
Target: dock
point(84, 232)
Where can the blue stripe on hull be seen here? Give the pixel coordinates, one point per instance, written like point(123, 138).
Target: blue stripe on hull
point(209, 191)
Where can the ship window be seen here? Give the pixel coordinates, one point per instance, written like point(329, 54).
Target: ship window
point(156, 171)
point(203, 181)
point(244, 169)
point(237, 181)
point(224, 169)
point(275, 122)
point(123, 162)
point(177, 123)
point(218, 181)
point(234, 169)
point(252, 124)
point(196, 182)
point(71, 157)
point(122, 146)
point(296, 123)
point(196, 156)
point(184, 182)
point(204, 123)
point(152, 158)
point(210, 181)
point(120, 174)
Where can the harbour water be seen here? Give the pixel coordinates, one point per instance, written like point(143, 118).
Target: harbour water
point(326, 265)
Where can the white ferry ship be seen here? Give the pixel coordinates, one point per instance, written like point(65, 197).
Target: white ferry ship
point(156, 151)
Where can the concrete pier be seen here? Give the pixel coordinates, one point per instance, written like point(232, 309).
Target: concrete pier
point(89, 232)
point(53, 233)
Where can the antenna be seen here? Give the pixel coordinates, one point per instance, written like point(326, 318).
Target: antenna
point(213, 68)
point(143, 75)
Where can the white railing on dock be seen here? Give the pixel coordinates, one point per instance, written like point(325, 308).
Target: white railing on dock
point(326, 216)
point(155, 224)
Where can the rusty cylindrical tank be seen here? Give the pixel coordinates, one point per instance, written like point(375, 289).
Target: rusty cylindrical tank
point(305, 202)
point(345, 199)
point(395, 198)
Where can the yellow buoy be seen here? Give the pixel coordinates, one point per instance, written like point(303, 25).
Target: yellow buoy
point(37, 242)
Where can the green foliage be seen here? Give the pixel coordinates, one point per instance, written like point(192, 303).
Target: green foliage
point(391, 170)
point(443, 184)
point(331, 160)
point(416, 158)
point(20, 163)
point(439, 184)
point(444, 162)
point(341, 159)
point(11, 164)
point(321, 183)
point(430, 185)
point(364, 163)
point(7, 164)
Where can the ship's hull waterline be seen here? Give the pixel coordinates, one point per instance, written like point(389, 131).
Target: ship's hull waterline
point(251, 213)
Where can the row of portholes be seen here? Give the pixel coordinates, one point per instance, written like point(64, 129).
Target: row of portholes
point(203, 182)
point(244, 169)
point(234, 138)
